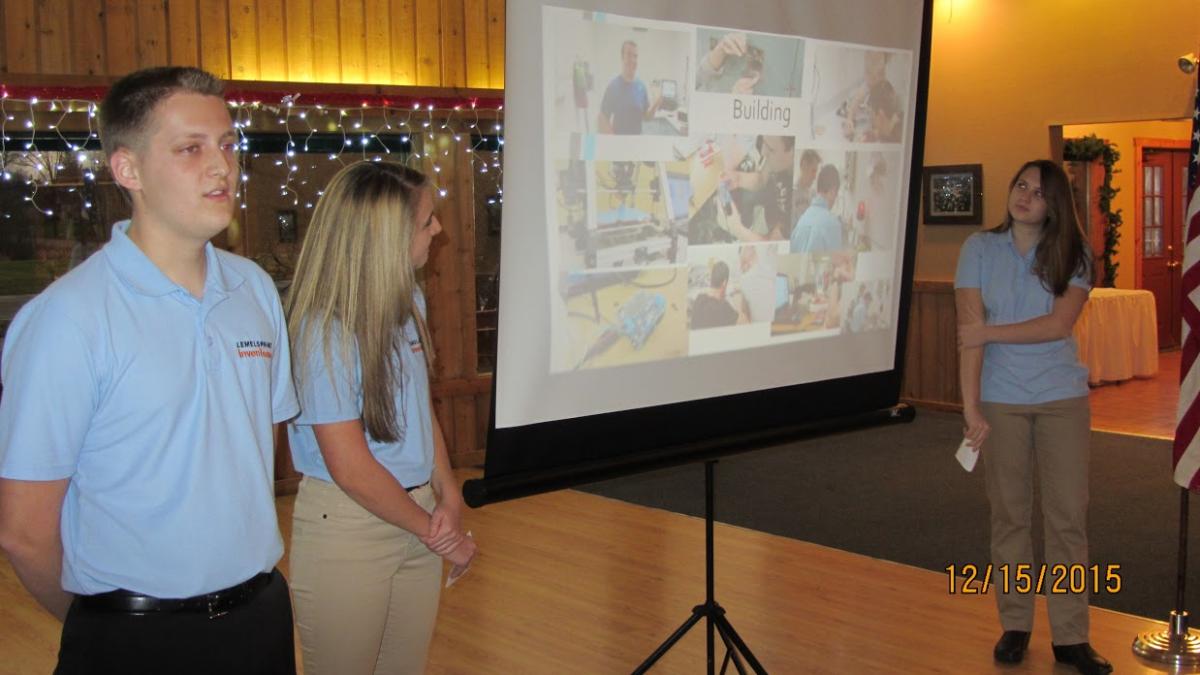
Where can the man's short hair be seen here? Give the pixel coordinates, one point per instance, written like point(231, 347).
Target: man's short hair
point(810, 158)
point(828, 179)
point(719, 275)
point(125, 111)
point(627, 43)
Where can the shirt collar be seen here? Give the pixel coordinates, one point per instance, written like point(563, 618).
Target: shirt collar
point(1012, 243)
point(143, 276)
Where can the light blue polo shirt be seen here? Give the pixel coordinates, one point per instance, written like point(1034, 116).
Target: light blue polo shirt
point(158, 407)
point(817, 230)
point(334, 393)
point(1012, 293)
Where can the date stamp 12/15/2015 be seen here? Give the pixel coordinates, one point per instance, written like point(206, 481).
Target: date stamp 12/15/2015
point(1057, 579)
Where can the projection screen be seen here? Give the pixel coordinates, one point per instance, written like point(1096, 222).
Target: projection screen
point(708, 217)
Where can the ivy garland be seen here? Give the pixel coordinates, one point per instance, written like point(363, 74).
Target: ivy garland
point(1087, 149)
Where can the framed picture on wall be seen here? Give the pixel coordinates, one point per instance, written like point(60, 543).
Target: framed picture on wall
point(953, 194)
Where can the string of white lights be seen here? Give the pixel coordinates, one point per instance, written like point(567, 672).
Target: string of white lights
point(441, 130)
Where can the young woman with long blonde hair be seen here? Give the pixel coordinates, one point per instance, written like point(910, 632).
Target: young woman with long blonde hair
point(378, 507)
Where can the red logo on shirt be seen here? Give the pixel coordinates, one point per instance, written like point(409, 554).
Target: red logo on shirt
point(254, 349)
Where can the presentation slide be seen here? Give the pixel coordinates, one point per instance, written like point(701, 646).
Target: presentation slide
point(700, 200)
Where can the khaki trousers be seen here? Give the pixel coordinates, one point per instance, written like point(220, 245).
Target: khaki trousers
point(365, 591)
point(1051, 438)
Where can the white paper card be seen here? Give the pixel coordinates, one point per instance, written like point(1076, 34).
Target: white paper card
point(967, 455)
point(457, 571)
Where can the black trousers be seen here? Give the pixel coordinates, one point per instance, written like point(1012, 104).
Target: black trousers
point(254, 638)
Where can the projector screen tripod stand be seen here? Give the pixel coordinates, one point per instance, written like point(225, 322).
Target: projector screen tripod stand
point(736, 650)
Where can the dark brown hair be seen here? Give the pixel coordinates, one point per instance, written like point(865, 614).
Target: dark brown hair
point(125, 110)
point(1063, 249)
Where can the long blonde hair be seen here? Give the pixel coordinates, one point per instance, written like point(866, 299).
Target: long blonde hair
point(355, 281)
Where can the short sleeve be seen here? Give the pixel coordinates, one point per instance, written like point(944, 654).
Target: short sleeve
point(51, 392)
point(970, 263)
point(283, 392)
point(329, 390)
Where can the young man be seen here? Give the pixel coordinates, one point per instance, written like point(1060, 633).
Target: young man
point(818, 230)
point(626, 103)
point(712, 308)
point(136, 458)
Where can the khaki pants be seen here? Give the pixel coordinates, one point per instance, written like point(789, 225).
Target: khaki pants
point(365, 591)
point(1051, 438)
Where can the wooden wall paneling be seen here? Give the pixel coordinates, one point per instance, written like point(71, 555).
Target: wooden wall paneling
point(287, 479)
point(443, 407)
point(403, 42)
point(445, 271)
point(352, 28)
point(327, 54)
point(272, 46)
point(428, 40)
point(120, 27)
point(464, 425)
point(912, 352)
point(454, 48)
point(87, 52)
point(3, 41)
point(947, 335)
point(214, 38)
point(53, 36)
point(298, 19)
point(483, 411)
point(495, 43)
point(463, 190)
point(378, 41)
point(243, 40)
point(928, 323)
point(20, 36)
point(931, 360)
point(475, 29)
point(152, 33)
point(183, 31)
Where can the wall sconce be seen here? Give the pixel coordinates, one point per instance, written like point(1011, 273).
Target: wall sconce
point(1187, 63)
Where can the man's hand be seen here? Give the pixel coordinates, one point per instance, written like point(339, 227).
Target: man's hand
point(732, 44)
point(30, 512)
point(745, 84)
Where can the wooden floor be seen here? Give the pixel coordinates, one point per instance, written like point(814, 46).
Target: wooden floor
point(570, 582)
point(1144, 407)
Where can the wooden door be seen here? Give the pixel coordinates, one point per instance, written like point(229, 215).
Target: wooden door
point(1160, 220)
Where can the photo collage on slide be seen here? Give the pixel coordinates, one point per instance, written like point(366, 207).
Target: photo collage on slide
point(712, 190)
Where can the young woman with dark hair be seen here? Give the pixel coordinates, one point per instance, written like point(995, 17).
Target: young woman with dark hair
point(1019, 289)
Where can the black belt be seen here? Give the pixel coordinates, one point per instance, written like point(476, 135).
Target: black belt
point(417, 487)
point(214, 604)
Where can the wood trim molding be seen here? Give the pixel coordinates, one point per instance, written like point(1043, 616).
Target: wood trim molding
point(933, 286)
point(462, 386)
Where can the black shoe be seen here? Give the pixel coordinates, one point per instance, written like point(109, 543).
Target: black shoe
point(1083, 657)
point(1011, 646)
